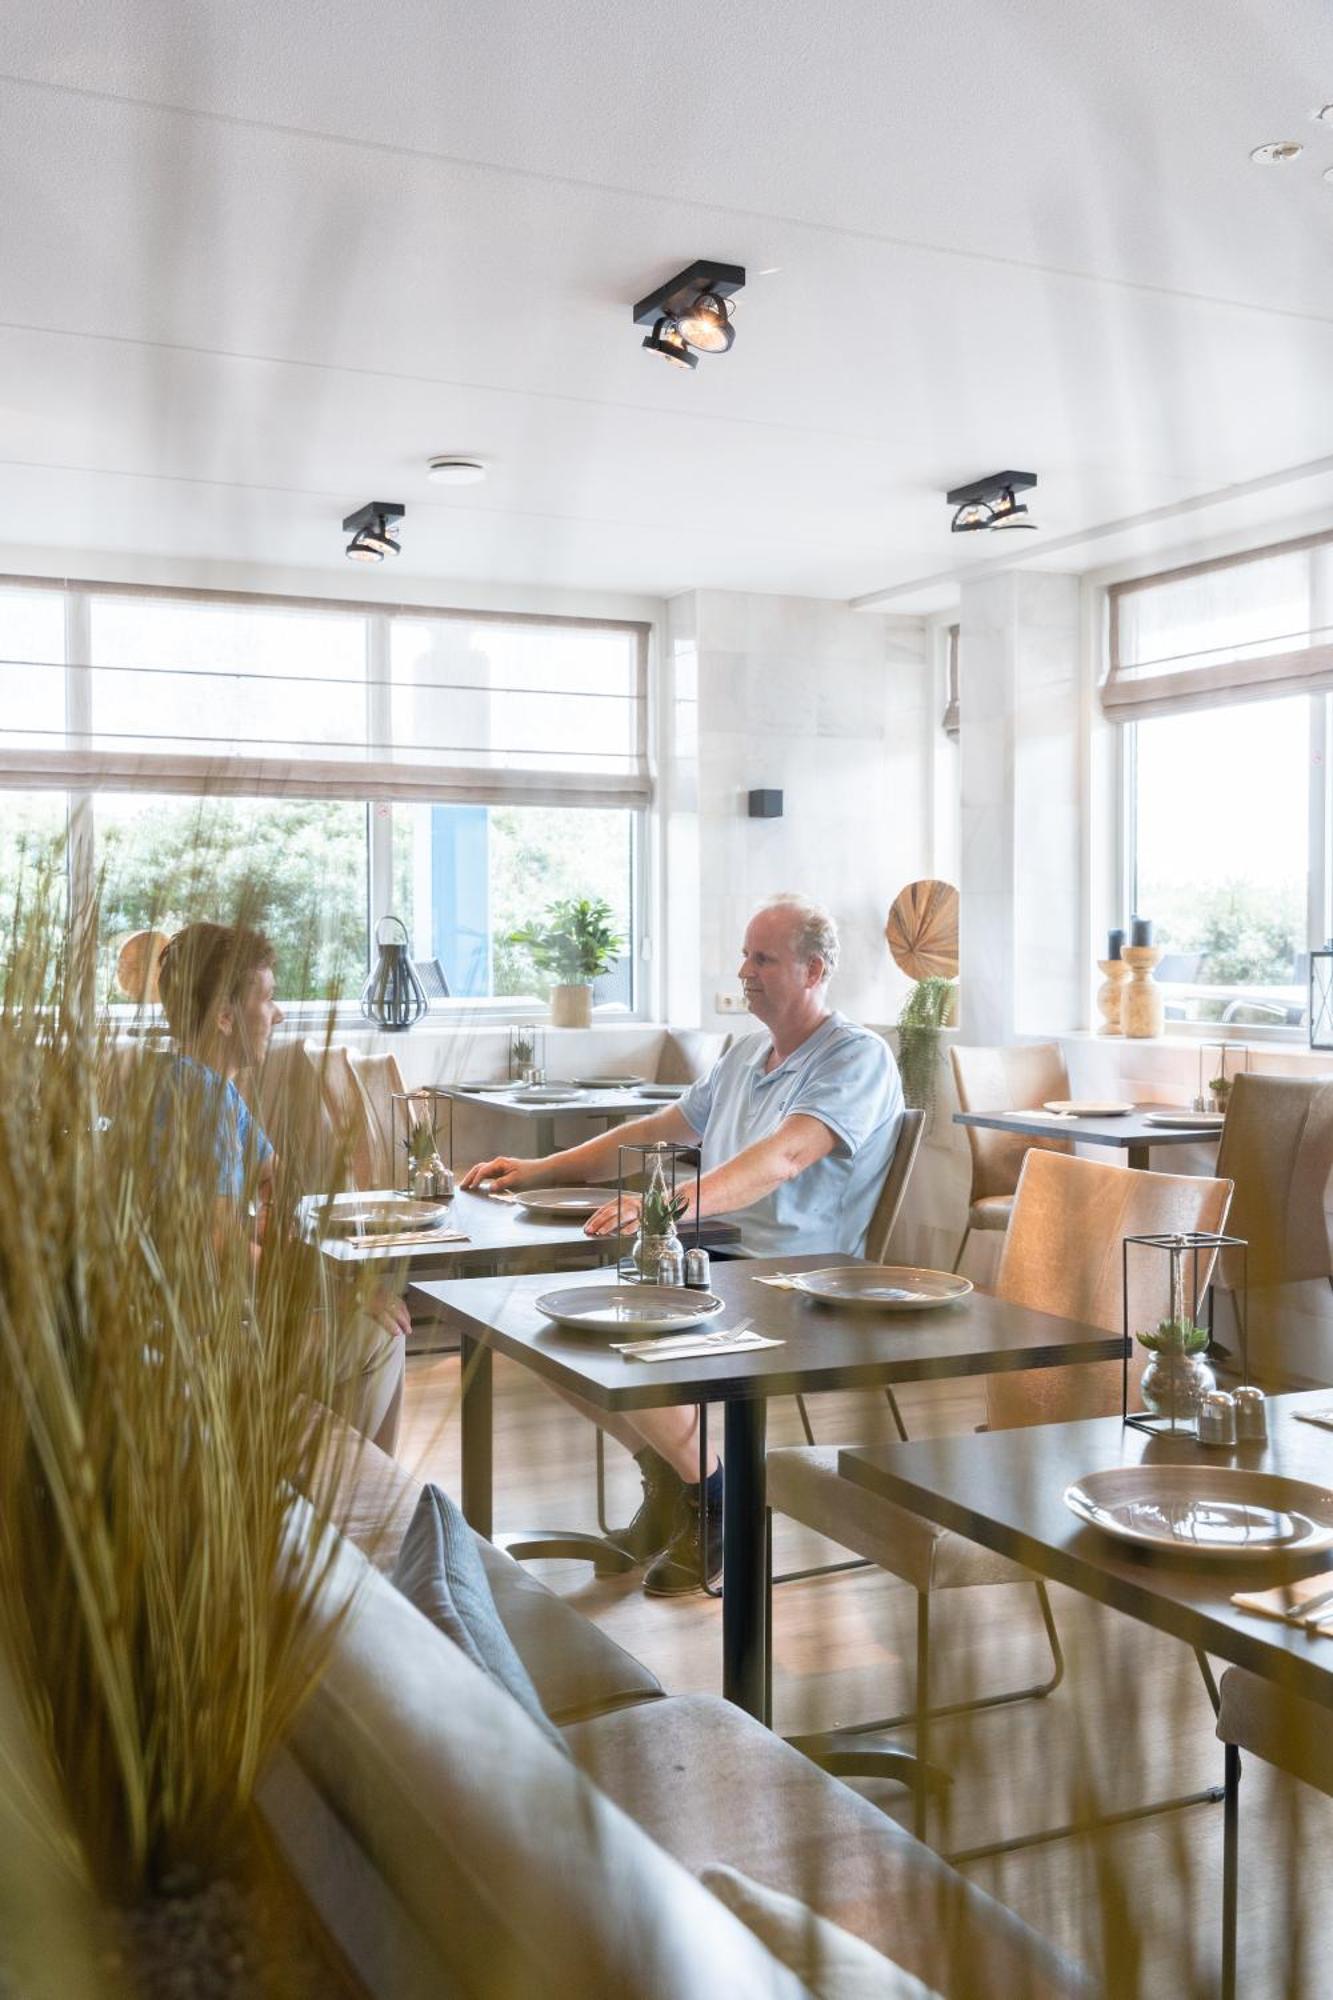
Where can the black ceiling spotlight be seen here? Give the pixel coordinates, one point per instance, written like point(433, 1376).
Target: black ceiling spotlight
point(690, 312)
point(369, 528)
point(667, 340)
point(990, 503)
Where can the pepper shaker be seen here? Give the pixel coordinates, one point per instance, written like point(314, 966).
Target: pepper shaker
point(1251, 1416)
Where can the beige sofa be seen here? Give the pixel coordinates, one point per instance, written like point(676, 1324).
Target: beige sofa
point(450, 1848)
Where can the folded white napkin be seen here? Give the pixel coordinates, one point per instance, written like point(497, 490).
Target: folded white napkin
point(690, 1346)
point(408, 1237)
point(1288, 1600)
point(1324, 1417)
point(780, 1282)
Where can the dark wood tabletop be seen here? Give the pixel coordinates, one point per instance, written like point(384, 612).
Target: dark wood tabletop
point(1004, 1489)
point(823, 1347)
point(1129, 1130)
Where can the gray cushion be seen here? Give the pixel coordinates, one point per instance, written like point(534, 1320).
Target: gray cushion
point(829, 1960)
point(1284, 1729)
point(440, 1571)
point(805, 1484)
point(576, 1669)
point(712, 1785)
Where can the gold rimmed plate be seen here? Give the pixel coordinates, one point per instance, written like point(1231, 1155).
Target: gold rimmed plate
point(1088, 1107)
point(564, 1201)
point(629, 1308)
point(1206, 1510)
point(381, 1215)
point(882, 1287)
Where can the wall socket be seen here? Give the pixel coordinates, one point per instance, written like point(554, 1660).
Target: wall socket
point(728, 1003)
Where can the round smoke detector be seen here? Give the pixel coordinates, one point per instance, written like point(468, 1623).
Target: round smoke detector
point(455, 471)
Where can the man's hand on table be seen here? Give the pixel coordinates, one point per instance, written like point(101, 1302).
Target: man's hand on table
point(503, 1175)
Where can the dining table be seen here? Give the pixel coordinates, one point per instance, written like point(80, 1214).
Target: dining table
point(1134, 1132)
point(1006, 1490)
point(817, 1347)
point(613, 1106)
point(484, 1234)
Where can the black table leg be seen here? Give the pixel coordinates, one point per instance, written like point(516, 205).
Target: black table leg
point(476, 1363)
point(744, 1638)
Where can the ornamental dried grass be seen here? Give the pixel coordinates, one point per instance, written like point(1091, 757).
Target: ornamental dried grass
point(159, 1409)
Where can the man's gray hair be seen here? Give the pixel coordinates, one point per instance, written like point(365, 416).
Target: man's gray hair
point(816, 934)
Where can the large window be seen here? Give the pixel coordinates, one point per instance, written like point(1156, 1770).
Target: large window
point(466, 877)
point(319, 766)
point(1222, 672)
point(1220, 823)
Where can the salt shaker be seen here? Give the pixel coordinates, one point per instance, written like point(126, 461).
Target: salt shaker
point(1251, 1416)
point(1217, 1418)
point(698, 1275)
point(671, 1268)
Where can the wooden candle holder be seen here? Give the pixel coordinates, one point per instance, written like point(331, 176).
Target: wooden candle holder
point(1114, 974)
point(1142, 1009)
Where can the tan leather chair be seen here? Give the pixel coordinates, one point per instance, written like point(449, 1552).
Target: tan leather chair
point(285, 1096)
point(1063, 1255)
point(1277, 1146)
point(380, 1080)
point(1022, 1078)
point(1285, 1730)
point(1066, 1237)
point(881, 1228)
point(689, 1053)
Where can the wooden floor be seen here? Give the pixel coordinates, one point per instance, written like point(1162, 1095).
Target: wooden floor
point(1130, 1723)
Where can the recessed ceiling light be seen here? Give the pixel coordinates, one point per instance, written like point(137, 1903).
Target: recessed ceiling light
point(770, 270)
point(991, 503)
point(689, 314)
point(1277, 152)
point(707, 324)
point(455, 471)
point(370, 528)
point(667, 340)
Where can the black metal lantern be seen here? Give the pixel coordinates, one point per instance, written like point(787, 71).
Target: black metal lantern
point(393, 997)
point(1321, 997)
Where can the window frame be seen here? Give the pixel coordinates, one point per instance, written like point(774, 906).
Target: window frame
point(72, 771)
point(1319, 884)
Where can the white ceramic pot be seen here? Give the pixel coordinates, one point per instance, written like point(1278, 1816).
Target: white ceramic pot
point(571, 1006)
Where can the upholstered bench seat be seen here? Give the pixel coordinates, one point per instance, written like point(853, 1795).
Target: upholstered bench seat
point(710, 1785)
point(805, 1484)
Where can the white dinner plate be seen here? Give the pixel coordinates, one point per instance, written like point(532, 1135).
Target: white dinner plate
point(382, 1215)
point(1187, 1121)
point(662, 1093)
point(608, 1082)
point(1088, 1107)
point(882, 1287)
point(567, 1201)
point(477, 1089)
point(1206, 1510)
point(629, 1308)
point(547, 1093)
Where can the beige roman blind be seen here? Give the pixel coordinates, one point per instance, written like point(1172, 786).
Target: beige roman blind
point(1240, 628)
point(234, 694)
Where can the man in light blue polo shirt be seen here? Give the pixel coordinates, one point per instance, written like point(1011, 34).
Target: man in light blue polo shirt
point(796, 1127)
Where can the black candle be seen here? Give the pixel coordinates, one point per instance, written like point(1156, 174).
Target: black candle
point(1115, 943)
point(1140, 930)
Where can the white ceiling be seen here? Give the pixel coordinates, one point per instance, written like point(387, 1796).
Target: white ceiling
point(257, 263)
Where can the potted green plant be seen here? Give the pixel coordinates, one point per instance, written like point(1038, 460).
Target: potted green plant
point(928, 1008)
point(1176, 1379)
point(659, 1211)
point(575, 941)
